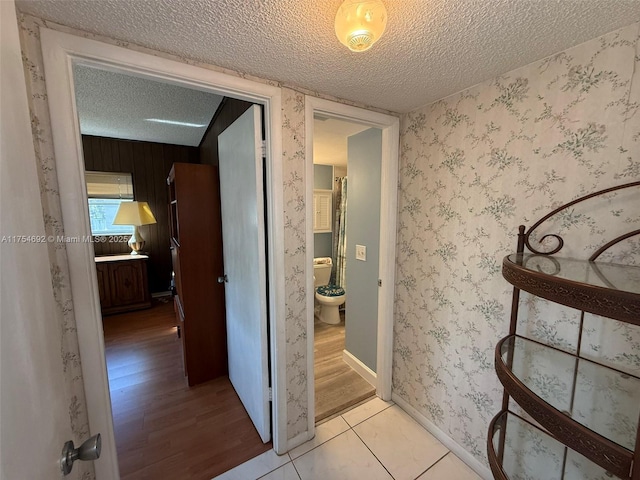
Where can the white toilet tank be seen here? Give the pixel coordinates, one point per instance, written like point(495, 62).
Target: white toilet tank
point(322, 270)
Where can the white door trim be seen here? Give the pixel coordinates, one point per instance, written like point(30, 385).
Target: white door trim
point(60, 52)
point(390, 127)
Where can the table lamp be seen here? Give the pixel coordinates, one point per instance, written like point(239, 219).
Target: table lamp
point(136, 214)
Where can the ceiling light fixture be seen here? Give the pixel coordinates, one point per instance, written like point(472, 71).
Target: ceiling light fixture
point(360, 24)
point(175, 122)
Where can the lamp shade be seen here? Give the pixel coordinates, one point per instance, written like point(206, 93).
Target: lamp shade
point(134, 213)
point(360, 23)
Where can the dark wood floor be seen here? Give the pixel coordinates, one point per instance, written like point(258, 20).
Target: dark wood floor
point(337, 385)
point(163, 428)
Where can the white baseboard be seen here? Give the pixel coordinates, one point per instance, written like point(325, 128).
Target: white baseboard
point(360, 368)
point(299, 440)
point(446, 440)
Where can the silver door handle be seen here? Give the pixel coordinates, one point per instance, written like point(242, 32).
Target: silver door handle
point(89, 450)
point(223, 279)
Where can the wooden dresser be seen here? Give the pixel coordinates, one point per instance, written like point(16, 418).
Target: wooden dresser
point(122, 282)
point(195, 228)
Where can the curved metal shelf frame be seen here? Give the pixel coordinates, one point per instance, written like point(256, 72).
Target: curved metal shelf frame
point(559, 239)
point(497, 455)
point(608, 302)
point(495, 461)
point(576, 436)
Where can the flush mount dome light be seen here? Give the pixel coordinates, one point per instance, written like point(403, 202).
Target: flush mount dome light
point(359, 24)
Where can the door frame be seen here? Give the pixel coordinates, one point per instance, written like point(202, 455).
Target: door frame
point(60, 52)
point(390, 127)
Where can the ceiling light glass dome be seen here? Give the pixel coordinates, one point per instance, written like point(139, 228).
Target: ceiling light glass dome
point(359, 24)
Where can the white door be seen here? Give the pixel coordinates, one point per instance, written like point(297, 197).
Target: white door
point(35, 412)
point(243, 237)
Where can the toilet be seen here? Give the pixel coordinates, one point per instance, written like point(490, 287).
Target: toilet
point(330, 297)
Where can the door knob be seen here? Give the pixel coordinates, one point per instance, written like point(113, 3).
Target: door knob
point(223, 279)
point(89, 450)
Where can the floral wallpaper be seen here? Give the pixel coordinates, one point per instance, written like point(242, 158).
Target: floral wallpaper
point(473, 167)
point(293, 174)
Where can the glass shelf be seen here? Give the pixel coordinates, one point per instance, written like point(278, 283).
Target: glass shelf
point(603, 400)
point(518, 450)
point(590, 408)
point(625, 278)
point(606, 289)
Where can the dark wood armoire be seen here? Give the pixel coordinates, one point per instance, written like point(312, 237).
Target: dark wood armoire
point(196, 250)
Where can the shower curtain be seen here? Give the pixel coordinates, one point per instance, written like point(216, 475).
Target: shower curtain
point(340, 240)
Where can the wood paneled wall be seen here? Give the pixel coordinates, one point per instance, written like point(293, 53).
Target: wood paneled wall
point(228, 112)
point(149, 163)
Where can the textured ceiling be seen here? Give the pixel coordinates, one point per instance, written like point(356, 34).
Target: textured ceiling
point(432, 48)
point(330, 140)
point(118, 106)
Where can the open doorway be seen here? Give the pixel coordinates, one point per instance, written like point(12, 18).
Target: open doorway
point(166, 357)
point(374, 138)
point(346, 182)
point(62, 51)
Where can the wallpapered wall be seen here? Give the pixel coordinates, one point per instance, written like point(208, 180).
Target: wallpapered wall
point(474, 166)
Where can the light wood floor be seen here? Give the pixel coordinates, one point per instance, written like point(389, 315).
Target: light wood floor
point(163, 428)
point(337, 385)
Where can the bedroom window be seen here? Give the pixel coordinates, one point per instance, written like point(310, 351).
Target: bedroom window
point(106, 190)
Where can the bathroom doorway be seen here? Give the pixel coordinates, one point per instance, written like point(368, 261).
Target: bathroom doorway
point(354, 158)
point(337, 384)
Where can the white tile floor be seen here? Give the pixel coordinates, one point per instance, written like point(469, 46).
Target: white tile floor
point(376, 440)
